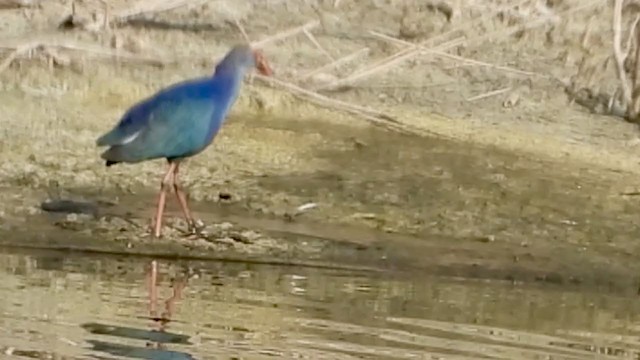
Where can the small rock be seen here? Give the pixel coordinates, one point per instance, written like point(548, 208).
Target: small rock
point(72, 217)
point(251, 235)
point(224, 226)
point(497, 178)
point(288, 217)
point(569, 222)
point(226, 240)
point(305, 207)
point(117, 223)
point(367, 216)
point(199, 224)
point(245, 237)
point(72, 21)
point(487, 239)
point(120, 238)
point(69, 206)
point(224, 196)
point(358, 144)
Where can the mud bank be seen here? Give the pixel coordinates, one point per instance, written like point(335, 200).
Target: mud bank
point(530, 191)
point(236, 235)
point(385, 201)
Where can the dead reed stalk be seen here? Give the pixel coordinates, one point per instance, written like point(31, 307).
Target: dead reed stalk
point(628, 78)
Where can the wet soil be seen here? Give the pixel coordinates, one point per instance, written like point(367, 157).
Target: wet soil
point(384, 201)
point(538, 191)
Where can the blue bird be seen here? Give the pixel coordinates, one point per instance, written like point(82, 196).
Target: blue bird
point(179, 122)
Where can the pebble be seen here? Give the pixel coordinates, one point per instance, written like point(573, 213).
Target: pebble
point(224, 226)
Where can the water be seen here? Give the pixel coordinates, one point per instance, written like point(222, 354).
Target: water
point(60, 306)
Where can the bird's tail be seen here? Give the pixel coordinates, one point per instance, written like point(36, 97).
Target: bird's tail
point(121, 154)
point(112, 156)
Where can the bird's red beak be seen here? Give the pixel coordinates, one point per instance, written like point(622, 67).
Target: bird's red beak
point(261, 63)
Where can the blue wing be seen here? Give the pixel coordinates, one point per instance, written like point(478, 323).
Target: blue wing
point(134, 120)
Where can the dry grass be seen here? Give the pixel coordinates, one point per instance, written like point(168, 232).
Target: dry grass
point(393, 54)
point(460, 31)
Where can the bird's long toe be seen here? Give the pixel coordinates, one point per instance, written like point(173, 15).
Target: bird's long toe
point(195, 227)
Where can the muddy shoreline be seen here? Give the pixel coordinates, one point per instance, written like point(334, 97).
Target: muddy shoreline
point(365, 251)
point(523, 186)
point(120, 229)
point(385, 202)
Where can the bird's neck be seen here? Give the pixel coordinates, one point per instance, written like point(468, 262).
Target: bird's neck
point(230, 80)
point(226, 88)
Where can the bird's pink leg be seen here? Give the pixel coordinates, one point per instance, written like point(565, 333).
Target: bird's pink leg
point(182, 199)
point(170, 303)
point(153, 298)
point(162, 197)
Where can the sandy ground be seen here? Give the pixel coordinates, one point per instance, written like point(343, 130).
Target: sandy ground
point(521, 185)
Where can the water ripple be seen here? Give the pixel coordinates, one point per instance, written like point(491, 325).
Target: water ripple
point(71, 307)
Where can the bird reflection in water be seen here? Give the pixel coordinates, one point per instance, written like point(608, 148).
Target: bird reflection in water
point(164, 319)
point(157, 338)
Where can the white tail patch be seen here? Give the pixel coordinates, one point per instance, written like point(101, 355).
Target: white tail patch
point(130, 138)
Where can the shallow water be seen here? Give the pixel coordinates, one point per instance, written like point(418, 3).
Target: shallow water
point(62, 306)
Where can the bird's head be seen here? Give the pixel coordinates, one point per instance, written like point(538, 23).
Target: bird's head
point(245, 58)
point(261, 63)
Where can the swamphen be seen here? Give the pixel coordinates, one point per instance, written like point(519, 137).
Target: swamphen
point(179, 122)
